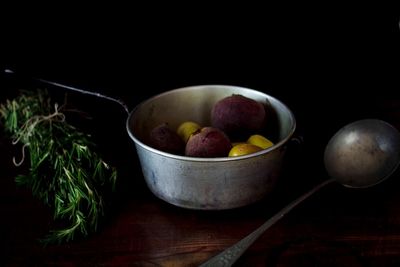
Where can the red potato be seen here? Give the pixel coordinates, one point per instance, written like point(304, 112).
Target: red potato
point(167, 140)
point(238, 116)
point(209, 142)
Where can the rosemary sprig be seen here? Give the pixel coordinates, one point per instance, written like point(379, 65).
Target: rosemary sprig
point(65, 172)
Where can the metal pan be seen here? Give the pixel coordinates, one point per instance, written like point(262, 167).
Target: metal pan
point(203, 183)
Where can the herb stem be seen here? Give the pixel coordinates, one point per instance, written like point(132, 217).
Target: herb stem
point(65, 171)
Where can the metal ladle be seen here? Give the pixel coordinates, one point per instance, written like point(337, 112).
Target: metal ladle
point(359, 155)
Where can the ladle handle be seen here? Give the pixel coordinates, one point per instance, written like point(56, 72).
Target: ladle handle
point(71, 88)
point(230, 255)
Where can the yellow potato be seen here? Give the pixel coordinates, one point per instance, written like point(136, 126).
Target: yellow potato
point(186, 129)
point(243, 149)
point(260, 141)
point(237, 143)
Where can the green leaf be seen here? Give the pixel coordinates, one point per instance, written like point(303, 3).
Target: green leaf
point(65, 170)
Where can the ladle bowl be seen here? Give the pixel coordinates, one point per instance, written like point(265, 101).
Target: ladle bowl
point(361, 154)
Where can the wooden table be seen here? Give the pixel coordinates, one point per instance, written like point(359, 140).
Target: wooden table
point(335, 227)
point(330, 70)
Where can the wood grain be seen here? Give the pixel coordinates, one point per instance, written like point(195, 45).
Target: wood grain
point(336, 227)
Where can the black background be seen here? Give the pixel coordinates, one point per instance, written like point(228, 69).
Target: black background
point(330, 64)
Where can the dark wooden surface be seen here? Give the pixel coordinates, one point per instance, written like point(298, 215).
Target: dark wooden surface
point(330, 70)
point(335, 227)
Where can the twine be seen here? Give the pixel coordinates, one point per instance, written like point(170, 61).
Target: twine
point(27, 128)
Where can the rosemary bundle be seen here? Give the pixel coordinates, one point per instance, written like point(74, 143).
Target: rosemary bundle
point(65, 172)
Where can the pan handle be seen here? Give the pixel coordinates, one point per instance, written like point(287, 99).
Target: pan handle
point(71, 88)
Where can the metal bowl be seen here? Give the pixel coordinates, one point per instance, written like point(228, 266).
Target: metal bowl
point(207, 183)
